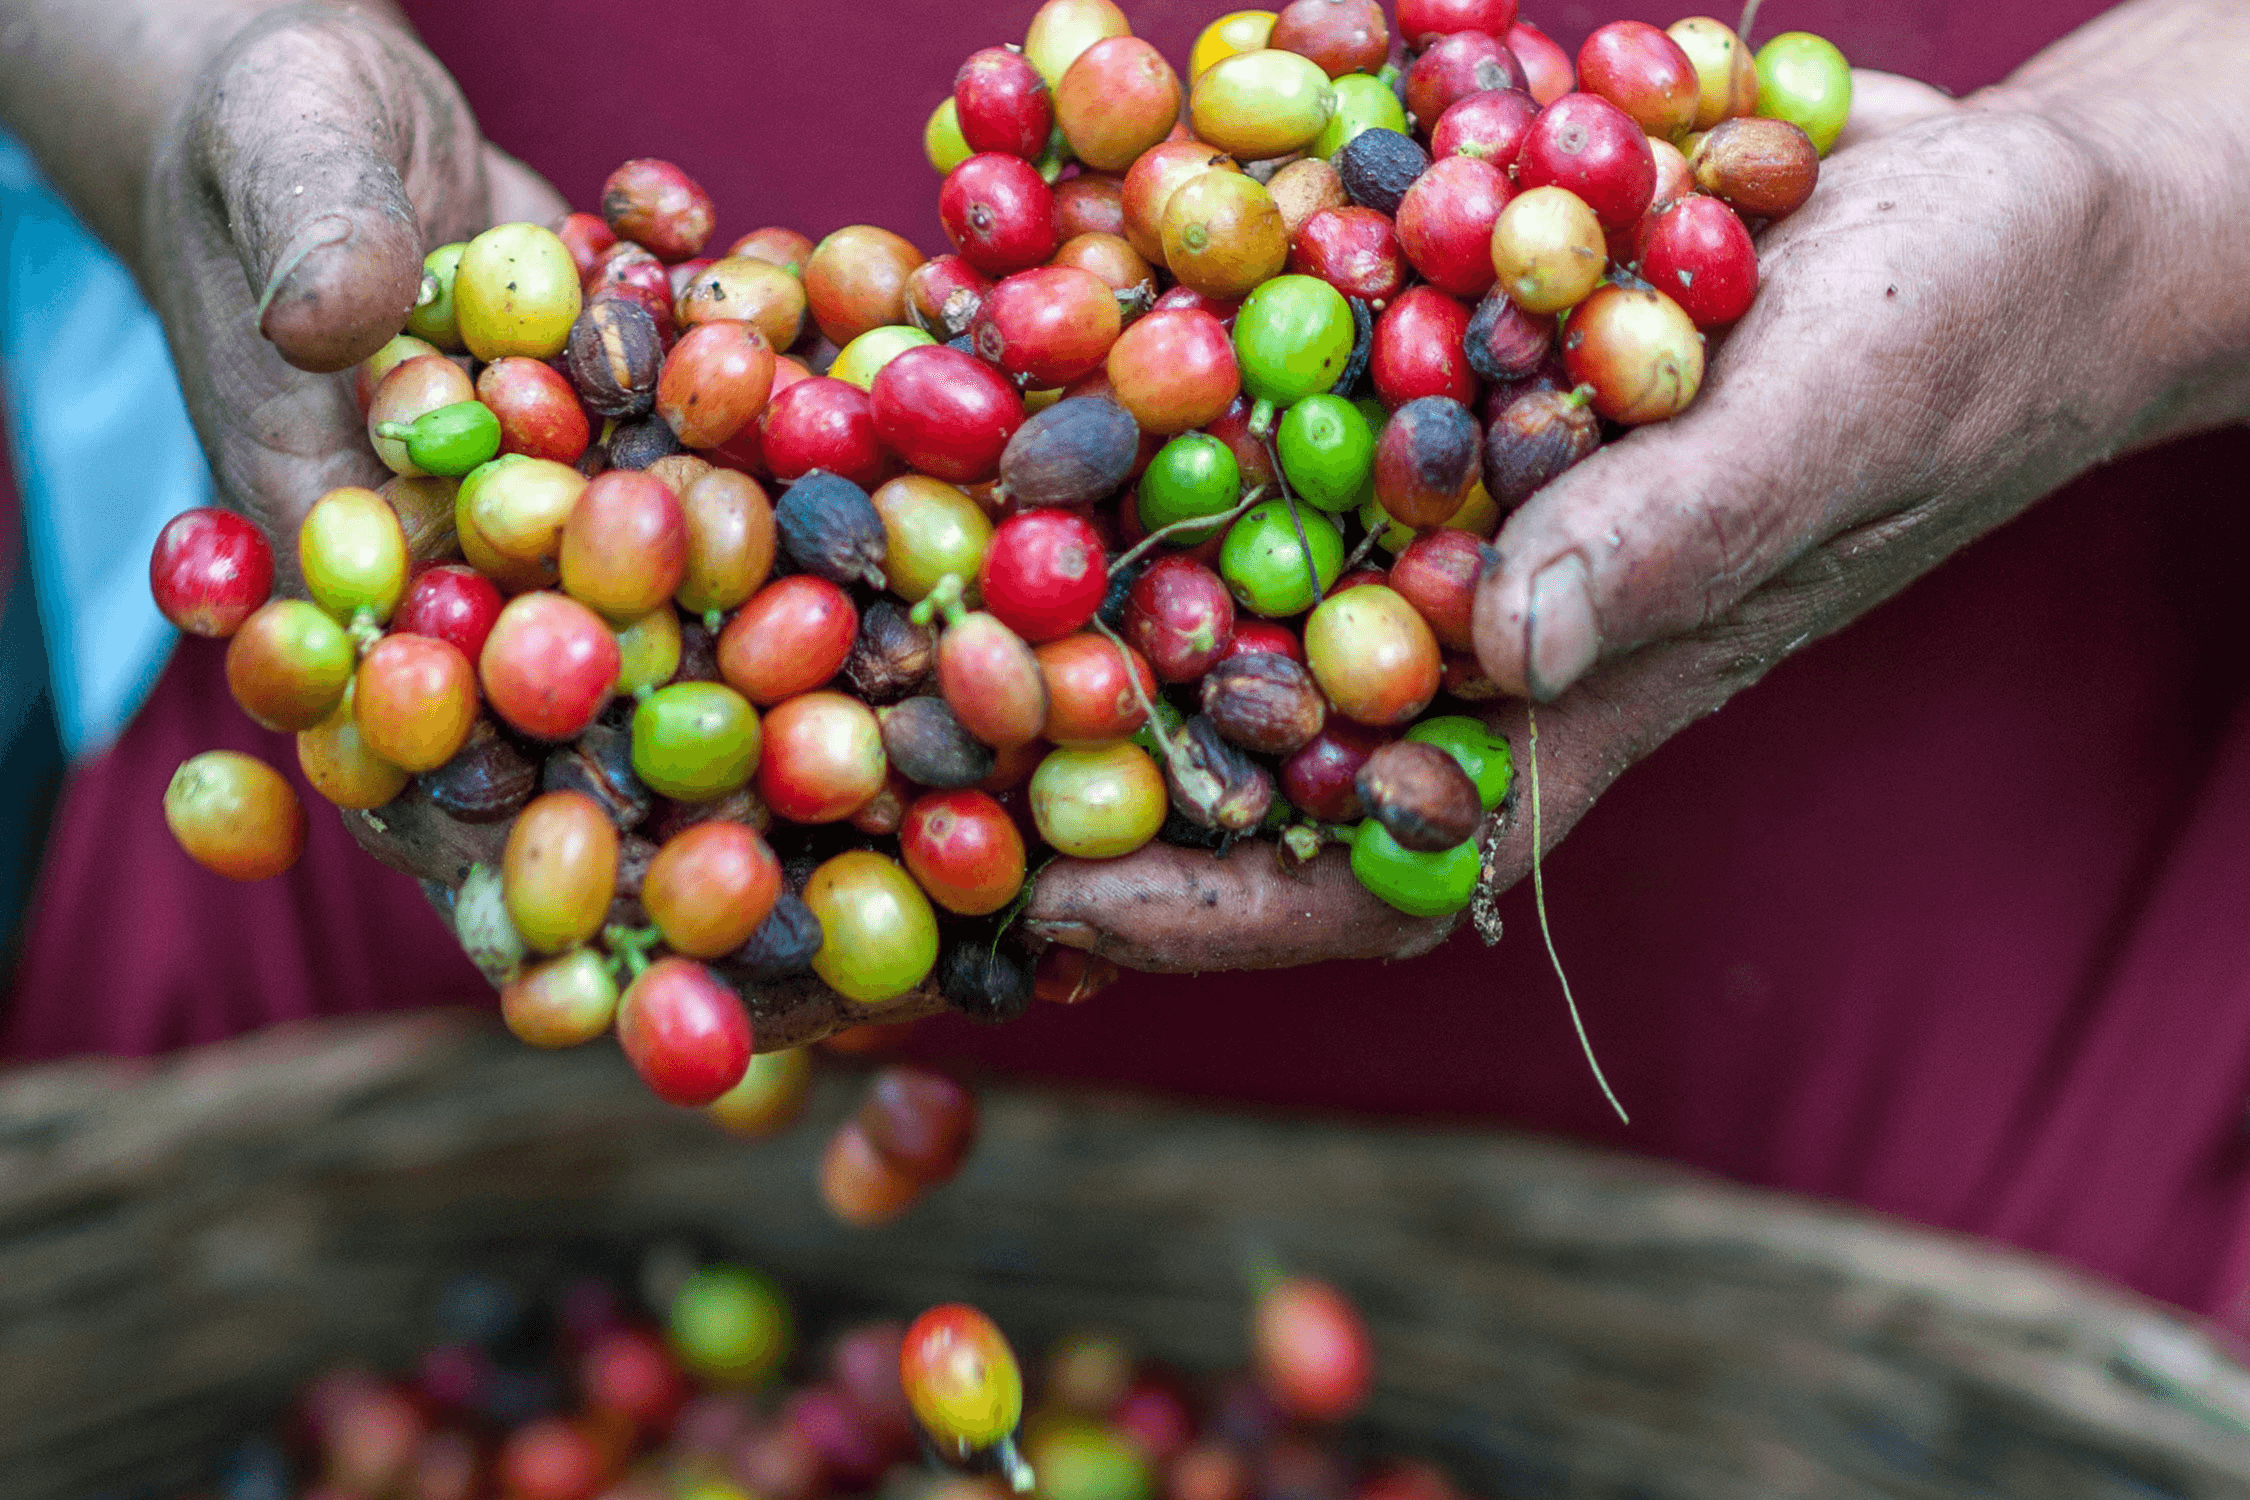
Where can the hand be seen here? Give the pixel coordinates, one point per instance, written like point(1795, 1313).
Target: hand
point(1951, 328)
point(322, 153)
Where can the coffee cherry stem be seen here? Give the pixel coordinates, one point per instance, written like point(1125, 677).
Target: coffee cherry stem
point(714, 620)
point(1539, 899)
point(1296, 518)
point(629, 946)
point(1133, 554)
point(1156, 731)
point(1366, 545)
point(1749, 17)
point(944, 599)
point(1261, 421)
point(1013, 1467)
point(364, 629)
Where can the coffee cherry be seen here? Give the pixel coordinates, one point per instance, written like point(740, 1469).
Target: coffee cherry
point(561, 1003)
point(1429, 458)
point(1222, 233)
point(1174, 370)
point(1098, 802)
point(1119, 98)
point(1372, 655)
point(1763, 168)
point(1354, 250)
point(516, 292)
point(1547, 69)
point(288, 665)
point(1644, 72)
point(991, 680)
point(1438, 573)
point(1422, 22)
point(353, 555)
point(549, 665)
point(1276, 562)
point(336, 760)
point(792, 637)
point(658, 206)
point(1002, 104)
point(1062, 30)
point(964, 850)
point(1047, 326)
point(415, 700)
point(1342, 36)
point(624, 548)
point(879, 937)
point(1587, 144)
point(820, 423)
point(1261, 104)
point(743, 288)
point(1490, 124)
point(1726, 75)
point(1803, 79)
point(1445, 223)
point(710, 887)
point(822, 758)
point(1075, 452)
point(943, 294)
point(559, 870)
point(1321, 777)
point(730, 541)
point(961, 1379)
point(235, 815)
point(1044, 574)
point(770, 1096)
point(685, 1033)
point(1638, 350)
point(1465, 63)
point(860, 1185)
point(1547, 250)
point(1180, 616)
point(539, 415)
point(1697, 253)
point(1150, 182)
point(1312, 1350)
point(946, 413)
point(855, 279)
point(999, 213)
point(210, 569)
point(715, 382)
point(1418, 349)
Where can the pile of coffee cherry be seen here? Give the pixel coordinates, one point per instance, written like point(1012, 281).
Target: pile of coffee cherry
point(790, 606)
point(576, 1397)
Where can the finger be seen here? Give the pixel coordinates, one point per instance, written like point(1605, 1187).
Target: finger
point(307, 128)
point(518, 194)
point(1836, 400)
point(1176, 910)
point(1884, 102)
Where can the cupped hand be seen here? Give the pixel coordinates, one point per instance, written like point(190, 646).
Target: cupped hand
point(323, 152)
point(1944, 333)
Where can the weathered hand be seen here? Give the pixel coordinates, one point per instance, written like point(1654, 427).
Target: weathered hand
point(284, 224)
point(1956, 324)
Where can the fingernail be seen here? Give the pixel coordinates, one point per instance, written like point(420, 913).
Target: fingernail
point(1560, 636)
point(327, 230)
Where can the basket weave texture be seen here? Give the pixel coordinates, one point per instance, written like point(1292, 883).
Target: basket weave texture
point(181, 1242)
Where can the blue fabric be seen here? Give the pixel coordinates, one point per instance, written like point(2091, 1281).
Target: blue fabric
point(104, 453)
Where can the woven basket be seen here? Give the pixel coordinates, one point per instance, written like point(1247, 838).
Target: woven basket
point(181, 1242)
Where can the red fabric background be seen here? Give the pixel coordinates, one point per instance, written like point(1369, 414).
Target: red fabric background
point(1948, 916)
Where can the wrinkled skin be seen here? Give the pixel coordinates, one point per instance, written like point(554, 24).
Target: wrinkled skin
point(1976, 306)
point(1965, 316)
point(323, 152)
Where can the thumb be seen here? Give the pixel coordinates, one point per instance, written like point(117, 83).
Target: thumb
point(1653, 536)
point(301, 143)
